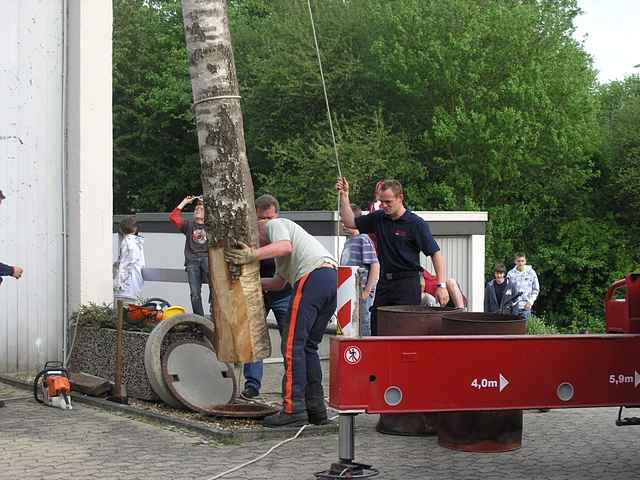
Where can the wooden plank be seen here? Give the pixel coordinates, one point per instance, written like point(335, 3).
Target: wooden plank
point(90, 384)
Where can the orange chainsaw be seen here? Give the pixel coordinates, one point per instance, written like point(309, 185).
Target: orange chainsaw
point(53, 383)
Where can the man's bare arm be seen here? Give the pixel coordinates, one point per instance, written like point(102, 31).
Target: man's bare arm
point(346, 214)
point(276, 249)
point(438, 264)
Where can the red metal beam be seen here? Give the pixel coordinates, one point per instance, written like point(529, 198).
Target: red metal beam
point(439, 373)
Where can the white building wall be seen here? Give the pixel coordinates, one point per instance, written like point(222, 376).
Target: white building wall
point(31, 161)
point(56, 85)
point(90, 151)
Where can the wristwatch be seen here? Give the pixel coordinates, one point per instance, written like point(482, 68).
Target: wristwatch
point(442, 285)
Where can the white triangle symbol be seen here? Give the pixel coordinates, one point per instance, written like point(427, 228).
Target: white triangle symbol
point(637, 379)
point(504, 382)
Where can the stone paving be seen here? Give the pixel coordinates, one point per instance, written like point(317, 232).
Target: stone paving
point(37, 442)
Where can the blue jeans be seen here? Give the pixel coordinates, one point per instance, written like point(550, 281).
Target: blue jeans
point(365, 316)
point(522, 312)
point(197, 273)
point(280, 307)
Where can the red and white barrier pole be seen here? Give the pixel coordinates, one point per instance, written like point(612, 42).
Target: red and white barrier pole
point(348, 310)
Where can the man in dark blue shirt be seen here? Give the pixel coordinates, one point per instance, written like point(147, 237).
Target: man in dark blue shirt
point(401, 236)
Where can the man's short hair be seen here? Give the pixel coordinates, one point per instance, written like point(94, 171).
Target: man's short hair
point(357, 211)
point(499, 268)
point(394, 185)
point(266, 201)
point(519, 255)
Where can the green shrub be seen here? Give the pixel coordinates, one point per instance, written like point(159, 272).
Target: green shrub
point(103, 316)
point(538, 326)
point(93, 315)
point(587, 324)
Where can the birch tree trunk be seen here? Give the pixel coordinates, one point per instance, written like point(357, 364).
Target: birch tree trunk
point(237, 307)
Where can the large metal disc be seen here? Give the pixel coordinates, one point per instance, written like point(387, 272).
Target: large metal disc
point(152, 360)
point(196, 377)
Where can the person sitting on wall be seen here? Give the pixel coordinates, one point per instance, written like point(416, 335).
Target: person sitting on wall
point(430, 285)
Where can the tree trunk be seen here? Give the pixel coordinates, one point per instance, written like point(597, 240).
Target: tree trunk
point(237, 308)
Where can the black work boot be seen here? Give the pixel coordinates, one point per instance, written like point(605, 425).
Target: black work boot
point(318, 417)
point(283, 419)
point(317, 411)
point(1, 404)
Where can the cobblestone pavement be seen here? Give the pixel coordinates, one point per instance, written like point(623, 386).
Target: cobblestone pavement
point(38, 442)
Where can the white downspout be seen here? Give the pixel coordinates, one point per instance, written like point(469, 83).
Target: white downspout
point(65, 203)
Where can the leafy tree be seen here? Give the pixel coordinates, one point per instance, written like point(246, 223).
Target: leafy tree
point(155, 145)
point(619, 156)
point(486, 105)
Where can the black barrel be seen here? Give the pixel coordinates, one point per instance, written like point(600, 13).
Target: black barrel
point(491, 431)
point(401, 321)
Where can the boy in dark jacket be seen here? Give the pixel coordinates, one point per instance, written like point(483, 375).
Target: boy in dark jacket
point(500, 295)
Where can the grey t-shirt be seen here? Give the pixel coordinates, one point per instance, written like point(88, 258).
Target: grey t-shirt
point(307, 255)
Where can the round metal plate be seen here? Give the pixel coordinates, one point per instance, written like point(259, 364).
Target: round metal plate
point(242, 410)
point(196, 377)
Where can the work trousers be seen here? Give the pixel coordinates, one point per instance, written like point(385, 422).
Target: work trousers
point(312, 305)
point(401, 291)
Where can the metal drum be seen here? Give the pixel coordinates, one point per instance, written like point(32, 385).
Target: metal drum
point(410, 321)
point(491, 431)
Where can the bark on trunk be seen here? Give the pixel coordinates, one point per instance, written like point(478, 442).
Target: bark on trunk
point(237, 308)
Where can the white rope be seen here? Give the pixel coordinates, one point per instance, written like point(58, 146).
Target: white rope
point(242, 465)
point(324, 89)
point(219, 97)
point(326, 102)
point(245, 464)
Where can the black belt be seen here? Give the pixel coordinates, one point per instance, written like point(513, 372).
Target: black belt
point(399, 275)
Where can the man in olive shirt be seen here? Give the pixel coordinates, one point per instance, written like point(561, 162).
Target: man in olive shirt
point(301, 261)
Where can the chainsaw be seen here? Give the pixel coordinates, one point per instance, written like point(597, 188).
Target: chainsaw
point(53, 383)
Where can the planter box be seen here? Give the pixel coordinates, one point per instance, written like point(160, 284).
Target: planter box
point(94, 349)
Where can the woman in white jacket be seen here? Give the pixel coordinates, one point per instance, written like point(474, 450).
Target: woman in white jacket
point(128, 282)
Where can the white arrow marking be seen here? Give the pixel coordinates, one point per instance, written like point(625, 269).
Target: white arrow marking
point(637, 379)
point(504, 382)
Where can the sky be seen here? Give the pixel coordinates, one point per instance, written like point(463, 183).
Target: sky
point(613, 36)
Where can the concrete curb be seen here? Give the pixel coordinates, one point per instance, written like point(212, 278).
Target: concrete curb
point(238, 436)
